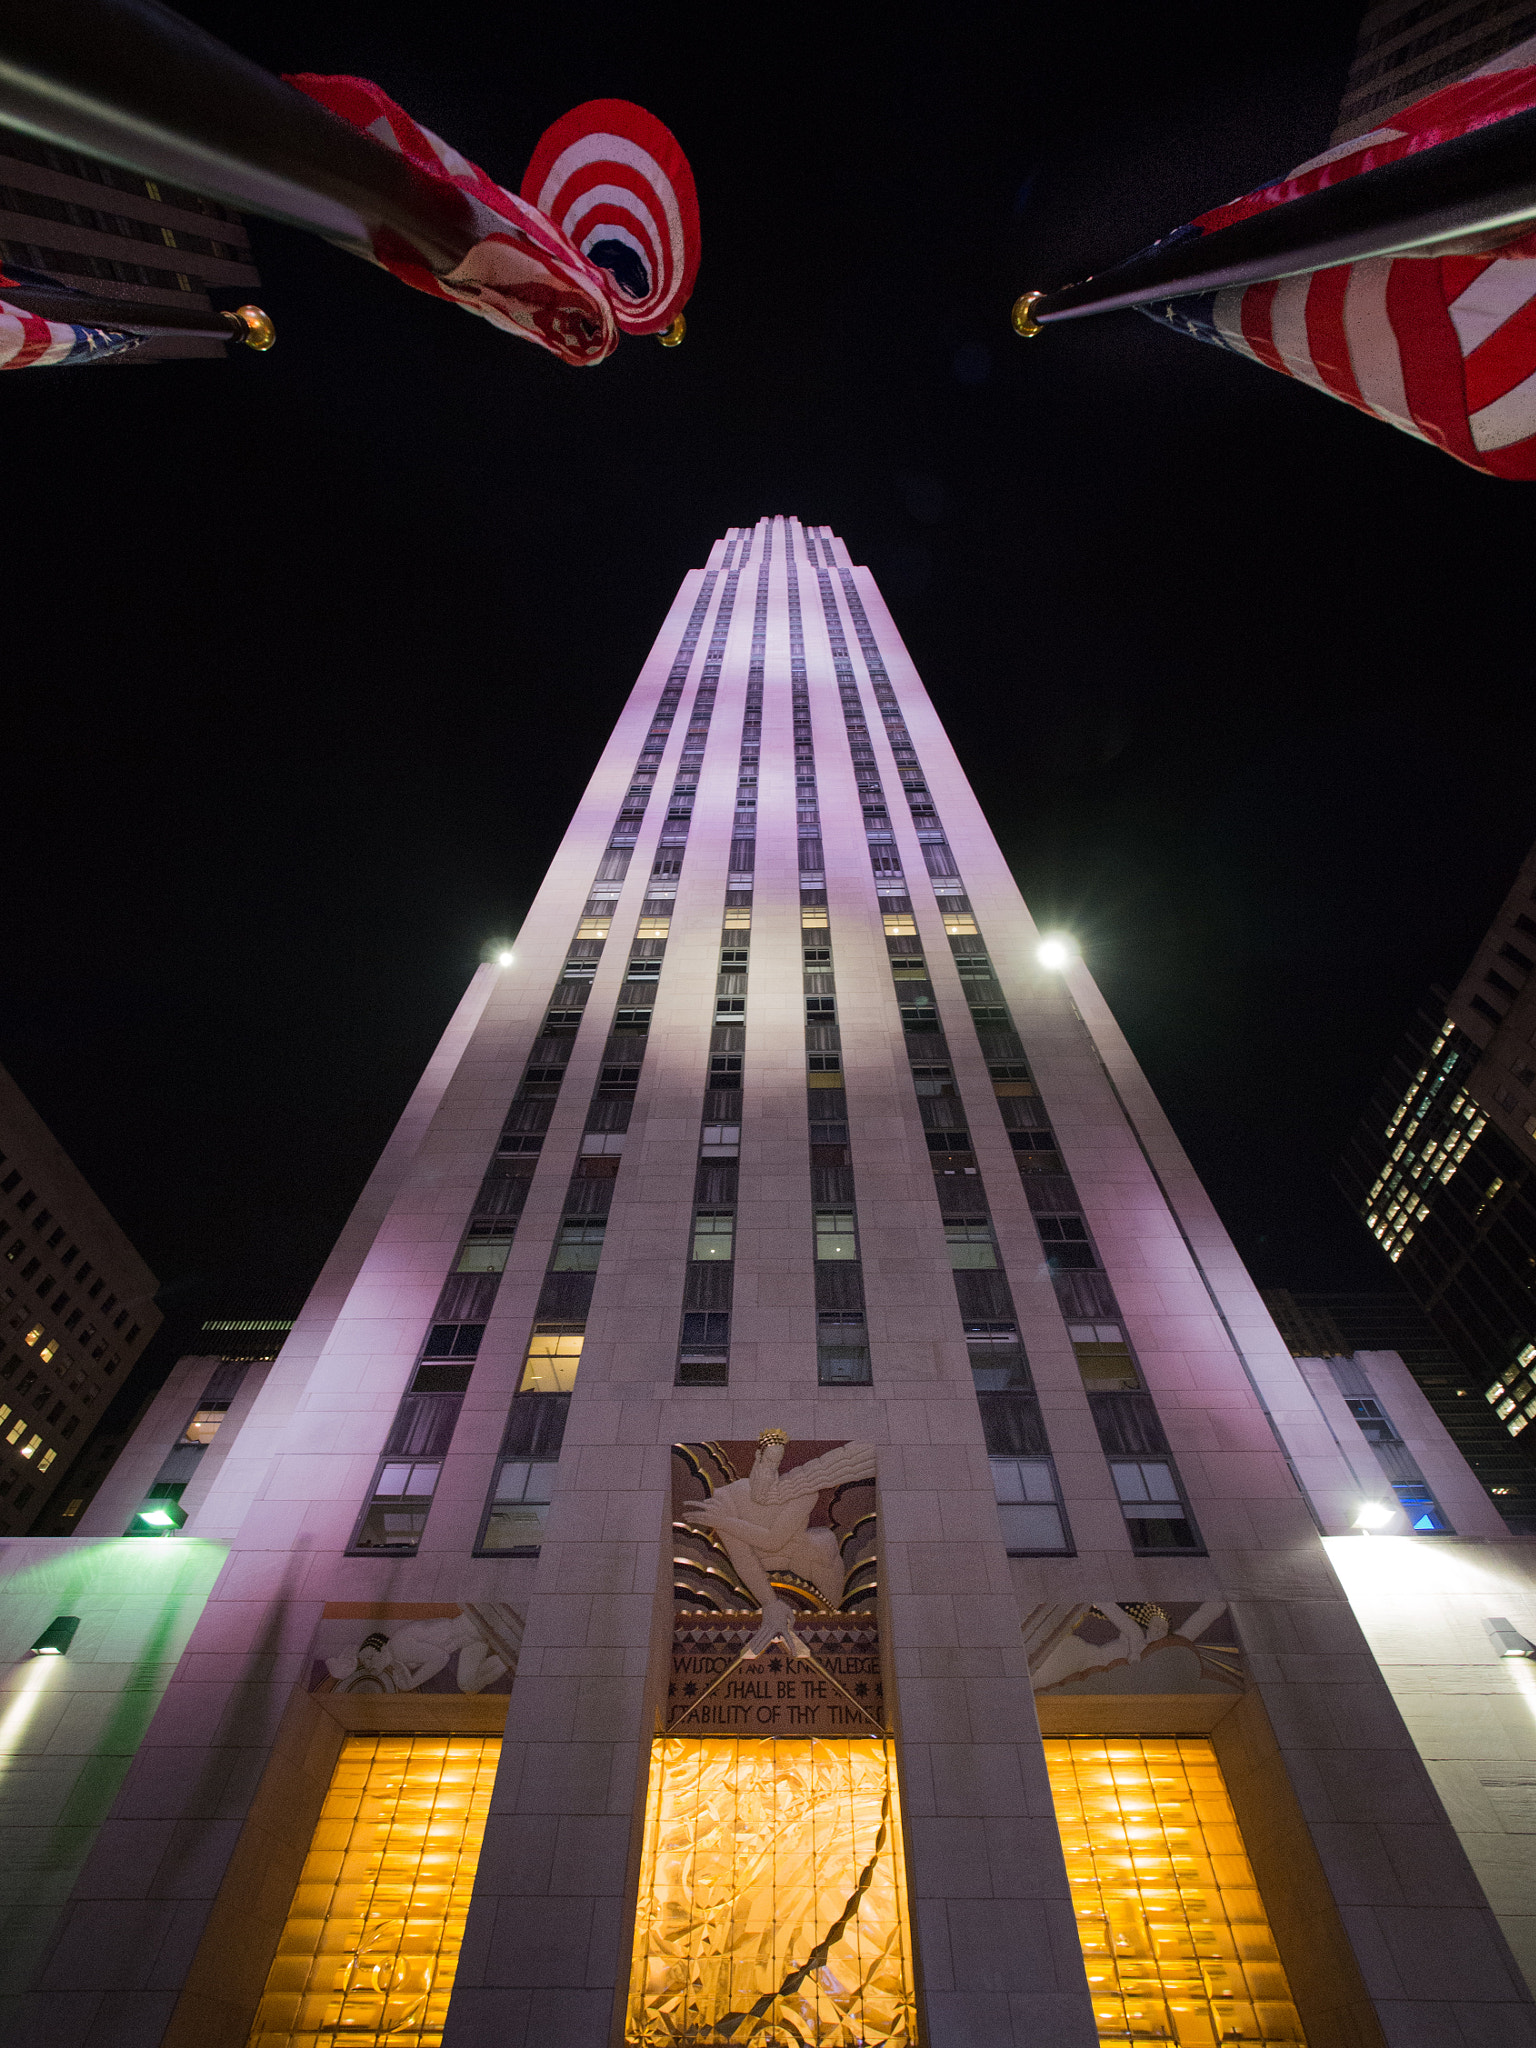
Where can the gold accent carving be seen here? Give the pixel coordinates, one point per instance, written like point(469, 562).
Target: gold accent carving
point(772, 1903)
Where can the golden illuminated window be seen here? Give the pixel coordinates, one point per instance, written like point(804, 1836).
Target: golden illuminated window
point(370, 1947)
point(554, 1352)
point(772, 1900)
point(1175, 1938)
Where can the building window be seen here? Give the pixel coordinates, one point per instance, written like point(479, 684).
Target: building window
point(1104, 1358)
point(519, 1505)
point(720, 1141)
point(998, 1361)
point(204, 1426)
point(970, 1242)
point(1170, 1956)
point(485, 1249)
point(580, 1246)
point(396, 1516)
point(454, 1340)
point(704, 1354)
point(959, 924)
point(842, 1349)
point(713, 1233)
point(371, 1943)
point(1028, 1506)
point(899, 925)
point(1425, 1515)
point(554, 1352)
point(602, 1145)
point(1067, 1249)
point(836, 1236)
point(1152, 1505)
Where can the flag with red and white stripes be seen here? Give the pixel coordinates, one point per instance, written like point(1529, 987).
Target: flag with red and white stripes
point(28, 342)
point(603, 238)
point(1441, 346)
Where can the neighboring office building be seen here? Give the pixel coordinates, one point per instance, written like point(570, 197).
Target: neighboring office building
point(103, 229)
point(1442, 1169)
point(1409, 48)
point(1342, 1326)
point(76, 1310)
point(184, 1432)
point(774, 1143)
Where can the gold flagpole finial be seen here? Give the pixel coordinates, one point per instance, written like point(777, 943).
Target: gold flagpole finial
point(672, 337)
point(1023, 321)
point(254, 327)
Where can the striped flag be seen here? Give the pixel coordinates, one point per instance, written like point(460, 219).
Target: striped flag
point(1441, 346)
point(603, 237)
point(28, 342)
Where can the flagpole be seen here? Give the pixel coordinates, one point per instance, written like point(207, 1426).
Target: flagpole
point(1482, 184)
point(83, 309)
point(131, 81)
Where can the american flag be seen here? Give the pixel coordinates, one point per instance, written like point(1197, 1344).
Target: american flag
point(1443, 346)
point(28, 342)
point(604, 236)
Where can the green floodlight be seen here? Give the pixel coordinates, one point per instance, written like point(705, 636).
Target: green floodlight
point(163, 1515)
point(57, 1636)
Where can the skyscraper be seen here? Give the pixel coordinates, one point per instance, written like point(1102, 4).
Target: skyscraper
point(1439, 1171)
point(782, 1485)
point(78, 1307)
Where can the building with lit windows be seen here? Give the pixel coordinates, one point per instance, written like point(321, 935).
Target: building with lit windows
point(783, 1518)
point(76, 1310)
point(1442, 1171)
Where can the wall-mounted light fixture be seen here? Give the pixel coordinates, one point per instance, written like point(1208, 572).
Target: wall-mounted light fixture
point(165, 1517)
point(57, 1636)
point(1374, 1514)
point(1506, 1638)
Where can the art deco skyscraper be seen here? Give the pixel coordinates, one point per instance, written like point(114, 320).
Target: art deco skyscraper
point(777, 1258)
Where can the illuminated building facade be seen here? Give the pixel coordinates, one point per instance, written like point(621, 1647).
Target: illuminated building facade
point(76, 1310)
point(1409, 48)
point(783, 1518)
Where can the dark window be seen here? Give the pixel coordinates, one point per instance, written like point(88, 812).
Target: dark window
point(1496, 980)
point(454, 1340)
point(1153, 1507)
point(1510, 953)
point(724, 1063)
point(1486, 1009)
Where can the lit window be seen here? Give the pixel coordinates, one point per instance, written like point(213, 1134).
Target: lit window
point(29, 1446)
point(1107, 1368)
point(970, 1242)
point(580, 1246)
point(204, 1426)
point(18, 1428)
point(485, 1249)
point(959, 924)
point(1027, 1505)
point(741, 920)
point(713, 1233)
point(720, 1141)
point(653, 928)
point(835, 1234)
point(898, 925)
point(593, 928)
point(810, 920)
point(33, 1334)
point(1505, 1408)
point(554, 1351)
point(49, 1349)
point(519, 1505)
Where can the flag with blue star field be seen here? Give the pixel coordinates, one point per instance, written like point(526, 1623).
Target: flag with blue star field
point(1441, 346)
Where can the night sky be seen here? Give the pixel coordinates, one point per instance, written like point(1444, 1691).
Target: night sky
point(312, 654)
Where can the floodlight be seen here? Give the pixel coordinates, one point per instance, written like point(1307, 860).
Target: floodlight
point(1374, 1514)
point(1506, 1638)
point(164, 1515)
point(1055, 953)
point(57, 1636)
point(504, 959)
